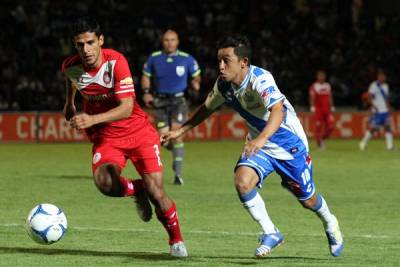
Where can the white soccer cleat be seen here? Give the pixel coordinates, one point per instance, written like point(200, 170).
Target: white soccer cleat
point(335, 239)
point(363, 146)
point(143, 206)
point(178, 250)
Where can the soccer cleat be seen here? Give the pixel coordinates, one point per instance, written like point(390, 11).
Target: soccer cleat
point(143, 206)
point(178, 250)
point(267, 243)
point(335, 240)
point(178, 180)
point(363, 146)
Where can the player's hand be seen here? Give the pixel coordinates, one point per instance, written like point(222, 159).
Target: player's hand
point(148, 100)
point(82, 121)
point(171, 135)
point(69, 111)
point(312, 109)
point(252, 147)
point(333, 109)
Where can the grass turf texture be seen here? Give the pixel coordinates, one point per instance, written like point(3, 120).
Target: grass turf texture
point(361, 188)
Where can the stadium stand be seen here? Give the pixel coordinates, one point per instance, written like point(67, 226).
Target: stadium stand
point(290, 38)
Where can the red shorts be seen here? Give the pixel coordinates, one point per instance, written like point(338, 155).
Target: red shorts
point(142, 149)
point(324, 118)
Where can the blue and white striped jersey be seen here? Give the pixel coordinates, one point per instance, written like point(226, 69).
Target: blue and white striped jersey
point(379, 93)
point(252, 99)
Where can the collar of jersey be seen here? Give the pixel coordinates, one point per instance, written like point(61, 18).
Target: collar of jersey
point(171, 55)
point(246, 80)
point(103, 60)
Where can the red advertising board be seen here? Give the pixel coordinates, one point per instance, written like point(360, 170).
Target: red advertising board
point(52, 127)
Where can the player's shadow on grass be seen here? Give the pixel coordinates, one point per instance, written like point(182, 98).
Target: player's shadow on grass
point(91, 253)
point(263, 261)
point(73, 177)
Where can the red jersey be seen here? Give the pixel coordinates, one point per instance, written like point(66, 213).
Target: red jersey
point(322, 96)
point(101, 90)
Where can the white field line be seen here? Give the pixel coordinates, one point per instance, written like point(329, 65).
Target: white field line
point(202, 232)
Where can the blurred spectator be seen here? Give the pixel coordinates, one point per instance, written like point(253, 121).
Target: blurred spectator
point(290, 38)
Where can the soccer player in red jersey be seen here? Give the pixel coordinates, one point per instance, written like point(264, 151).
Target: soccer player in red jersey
point(321, 104)
point(117, 127)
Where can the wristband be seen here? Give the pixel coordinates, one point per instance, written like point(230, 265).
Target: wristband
point(146, 90)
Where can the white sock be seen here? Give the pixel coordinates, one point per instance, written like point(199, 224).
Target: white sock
point(389, 140)
point(328, 219)
point(366, 138)
point(256, 207)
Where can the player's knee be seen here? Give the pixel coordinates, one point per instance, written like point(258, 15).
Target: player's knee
point(242, 186)
point(106, 178)
point(309, 203)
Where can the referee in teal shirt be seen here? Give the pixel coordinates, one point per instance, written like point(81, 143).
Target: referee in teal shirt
point(165, 78)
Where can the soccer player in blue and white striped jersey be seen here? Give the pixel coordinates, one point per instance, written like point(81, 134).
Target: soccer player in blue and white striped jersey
point(378, 98)
point(276, 141)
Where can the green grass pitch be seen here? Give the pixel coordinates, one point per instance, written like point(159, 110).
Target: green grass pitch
point(361, 188)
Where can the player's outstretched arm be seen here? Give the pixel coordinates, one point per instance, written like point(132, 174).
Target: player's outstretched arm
point(199, 116)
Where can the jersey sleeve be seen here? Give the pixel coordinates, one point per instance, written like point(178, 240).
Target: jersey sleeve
point(147, 67)
point(194, 69)
point(268, 90)
point(214, 98)
point(123, 86)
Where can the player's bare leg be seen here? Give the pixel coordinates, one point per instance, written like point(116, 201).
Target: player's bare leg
point(166, 212)
point(109, 181)
point(331, 225)
point(246, 180)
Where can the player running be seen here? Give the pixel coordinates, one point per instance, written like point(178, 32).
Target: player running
point(117, 127)
point(276, 141)
point(321, 104)
point(378, 99)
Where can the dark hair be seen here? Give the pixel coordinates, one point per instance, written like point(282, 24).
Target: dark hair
point(241, 45)
point(85, 24)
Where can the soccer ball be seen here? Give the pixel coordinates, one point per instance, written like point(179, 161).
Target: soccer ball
point(46, 224)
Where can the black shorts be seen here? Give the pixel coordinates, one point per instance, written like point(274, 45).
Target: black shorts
point(170, 109)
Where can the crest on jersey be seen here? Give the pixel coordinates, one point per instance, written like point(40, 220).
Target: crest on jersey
point(106, 77)
point(180, 70)
point(96, 157)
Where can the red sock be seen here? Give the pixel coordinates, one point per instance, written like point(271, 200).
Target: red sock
point(171, 223)
point(130, 187)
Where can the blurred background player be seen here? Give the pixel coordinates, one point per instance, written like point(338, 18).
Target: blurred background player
point(276, 141)
point(164, 81)
point(321, 104)
point(378, 99)
point(117, 127)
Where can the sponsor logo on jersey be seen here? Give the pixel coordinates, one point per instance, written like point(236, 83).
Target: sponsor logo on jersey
point(180, 70)
point(92, 98)
point(267, 92)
